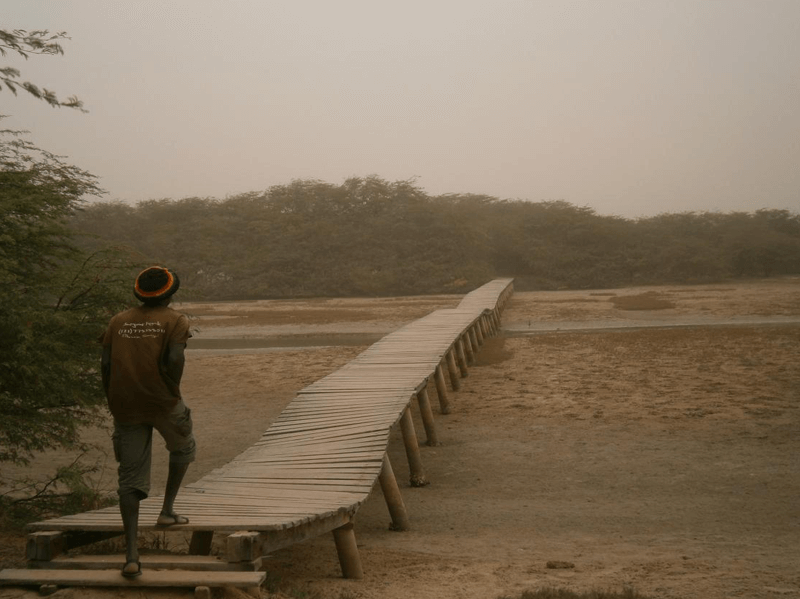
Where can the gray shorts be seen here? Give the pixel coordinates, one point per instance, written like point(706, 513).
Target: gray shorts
point(133, 447)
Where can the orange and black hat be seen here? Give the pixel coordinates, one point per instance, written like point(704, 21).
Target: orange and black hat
point(155, 284)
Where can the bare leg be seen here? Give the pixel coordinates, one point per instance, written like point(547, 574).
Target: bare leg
point(174, 480)
point(129, 510)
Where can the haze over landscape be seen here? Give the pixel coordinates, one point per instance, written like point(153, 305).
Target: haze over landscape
point(631, 108)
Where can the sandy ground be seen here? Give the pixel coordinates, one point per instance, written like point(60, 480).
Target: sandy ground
point(647, 454)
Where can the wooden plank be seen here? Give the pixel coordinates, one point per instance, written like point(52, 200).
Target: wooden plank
point(338, 456)
point(149, 561)
point(149, 578)
point(342, 447)
point(343, 419)
point(321, 486)
point(312, 474)
point(299, 440)
point(373, 422)
point(329, 411)
point(344, 432)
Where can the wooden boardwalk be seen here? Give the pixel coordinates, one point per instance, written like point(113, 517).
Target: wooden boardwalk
point(319, 460)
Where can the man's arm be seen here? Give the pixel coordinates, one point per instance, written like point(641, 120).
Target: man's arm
point(175, 361)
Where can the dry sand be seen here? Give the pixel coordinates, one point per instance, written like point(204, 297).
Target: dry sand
point(651, 455)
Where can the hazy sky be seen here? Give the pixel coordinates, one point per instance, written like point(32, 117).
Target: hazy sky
point(630, 107)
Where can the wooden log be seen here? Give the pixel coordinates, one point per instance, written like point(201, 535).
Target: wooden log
point(45, 545)
point(345, 539)
point(441, 390)
point(417, 473)
point(394, 500)
point(427, 418)
point(168, 561)
point(473, 337)
point(453, 370)
point(493, 322)
point(468, 349)
point(149, 578)
point(202, 592)
point(462, 358)
point(243, 546)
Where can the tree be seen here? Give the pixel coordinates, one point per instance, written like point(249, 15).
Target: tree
point(55, 298)
point(24, 43)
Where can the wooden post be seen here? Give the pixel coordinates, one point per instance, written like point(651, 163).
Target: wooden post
point(347, 549)
point(243, 547)
point(427, 417)
point(417, 475)
point(201, 542)
point(462, 358)
point(470, 352)
point(441, 390)
point(475, 337)
point(453, 370)
point(44, 545)
point(202, 592)
point(394, 500)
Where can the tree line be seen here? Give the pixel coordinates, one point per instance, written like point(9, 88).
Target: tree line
point(372, 237)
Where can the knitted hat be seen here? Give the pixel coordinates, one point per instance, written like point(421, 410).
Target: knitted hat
point(155, 284)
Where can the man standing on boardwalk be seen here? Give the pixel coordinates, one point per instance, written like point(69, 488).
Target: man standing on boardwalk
point(142, 365)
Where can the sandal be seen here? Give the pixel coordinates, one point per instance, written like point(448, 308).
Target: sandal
point(171, 520)
point(128, 574)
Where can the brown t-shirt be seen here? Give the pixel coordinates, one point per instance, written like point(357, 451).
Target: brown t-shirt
point(139, 338)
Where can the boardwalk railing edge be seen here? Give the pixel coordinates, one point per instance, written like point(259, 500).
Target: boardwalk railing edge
point(319, 460)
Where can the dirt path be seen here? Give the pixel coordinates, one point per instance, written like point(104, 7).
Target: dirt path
point(663, 459)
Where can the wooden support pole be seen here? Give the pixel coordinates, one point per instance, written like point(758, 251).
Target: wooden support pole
point(417, 473)
point(441, 390)
point(243, 547)
point(482, 332)
point(202, 592)
point(453, 370)
point(488, 331)
point(470, 352)
point(347, 549)
point(462, 357)
point(394, 500)
point(427, 418)
point(45, 545)
point(475, 337)
point(201, 542)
